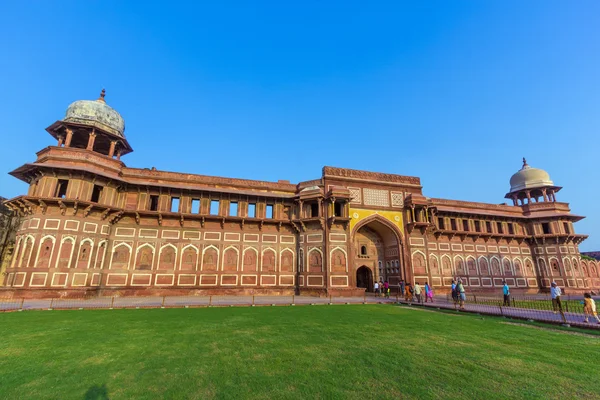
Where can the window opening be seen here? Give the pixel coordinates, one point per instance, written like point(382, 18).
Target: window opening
point(477, 226)
point(214, 207)
point(441, 224)
point(511, 229)
point(499, 226)
point(153, 203)
point(546, 228)
point(269, 211)
point(567, 227)
point(453, 224)
point(363, 251)
point(61, 188)
point(252, 210)
point(337, 209)
point(174, 204)
point(314, 210)
point(195, 206)
point(465, 225)
point(96, 193)
point(233, 209)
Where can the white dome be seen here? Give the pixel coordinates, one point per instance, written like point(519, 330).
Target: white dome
point(528, 178)
point(98, 114)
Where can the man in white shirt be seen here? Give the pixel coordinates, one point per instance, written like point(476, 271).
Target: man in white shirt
point(418, 292)
point(555, 293)
point(376, 289)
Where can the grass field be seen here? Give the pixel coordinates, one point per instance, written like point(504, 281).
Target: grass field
point(322, 352)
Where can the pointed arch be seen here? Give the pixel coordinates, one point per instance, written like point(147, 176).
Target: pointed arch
point(315, 260)
point(65, 254)
point(84, 253)
point(189, 258)
point(167, 257)
point(100, 254)
point(286, 260)
point(376, 217)
point(144, 256)
point(419, 263)
point(459, 266)
point(250, 259)
point(26, 252)
point(567, 266)
point(496, 266)
point(338, 260)
point(471, 266)
point(434, 265)
point(528, 267)
point(554, 266)
point(16, 258)
point(45, 252)
point(447, 269)
point(231, 259)
point(121, 256)
point(210, 258)
point(268, 260)
point(484, 266)
point(507, 267)
point(542, 267)
point(518, 266)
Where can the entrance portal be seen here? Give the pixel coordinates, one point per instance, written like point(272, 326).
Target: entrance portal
point(364, 278)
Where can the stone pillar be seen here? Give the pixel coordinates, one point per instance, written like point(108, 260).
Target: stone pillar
point(528, 197)
point(111, 151)
point(61, 140)
point(119, 154)
point(69, 138)
point(91, 140)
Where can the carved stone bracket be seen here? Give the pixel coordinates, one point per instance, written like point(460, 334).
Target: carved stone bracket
point(137, 218)
point(43, 206)
point(87, 211)
point(202, 222)
point(242, 223)
point(181, 220)
point(75, 206)
point(63, 208)
point(105, 213)
point(160, 219)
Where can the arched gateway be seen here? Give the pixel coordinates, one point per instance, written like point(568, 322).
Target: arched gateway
point(377, 252)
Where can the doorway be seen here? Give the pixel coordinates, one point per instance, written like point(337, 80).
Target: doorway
point(364, 278)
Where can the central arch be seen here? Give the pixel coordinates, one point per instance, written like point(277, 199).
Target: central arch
point(364, 278)
point(377, 245)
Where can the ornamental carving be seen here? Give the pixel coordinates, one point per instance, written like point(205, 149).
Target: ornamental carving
point(372, 176)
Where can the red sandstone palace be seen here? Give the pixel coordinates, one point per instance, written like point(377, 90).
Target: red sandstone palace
point(92, 224)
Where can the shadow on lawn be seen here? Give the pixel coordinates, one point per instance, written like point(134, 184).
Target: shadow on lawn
point(96, 392)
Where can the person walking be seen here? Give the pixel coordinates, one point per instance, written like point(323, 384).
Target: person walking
point(506, 292)
point(428, 293)
point(555, 293)
point(386, 289)
point(401, 286)
point(408, 293)
point(418, 292)
point(454, 292)
point(376, 287)
point(589, 307)
point(460, 290)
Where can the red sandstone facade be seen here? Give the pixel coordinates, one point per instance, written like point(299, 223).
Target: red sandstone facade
point(91, 224)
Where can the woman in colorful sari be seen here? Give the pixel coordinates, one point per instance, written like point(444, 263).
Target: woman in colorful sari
point(428, 293)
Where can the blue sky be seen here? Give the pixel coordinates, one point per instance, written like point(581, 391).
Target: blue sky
point(453, 92)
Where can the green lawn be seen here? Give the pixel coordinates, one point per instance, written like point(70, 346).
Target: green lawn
point(323, 352)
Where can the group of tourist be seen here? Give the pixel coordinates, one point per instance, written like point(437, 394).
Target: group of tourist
point(425, 294)
point(382, 289)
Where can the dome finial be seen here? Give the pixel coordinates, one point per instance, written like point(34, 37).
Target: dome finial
point(102, 94)
point(525, 163)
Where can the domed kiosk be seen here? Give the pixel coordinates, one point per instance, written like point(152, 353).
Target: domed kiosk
point(531, 185)
point(92, 125)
